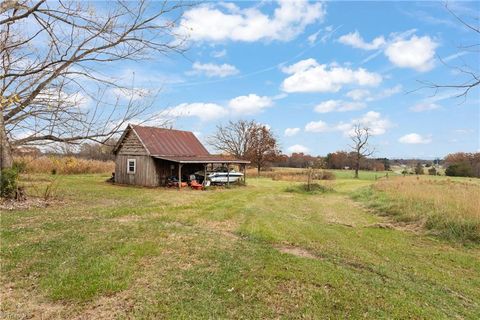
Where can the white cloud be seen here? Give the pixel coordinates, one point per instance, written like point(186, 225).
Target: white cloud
point(366, 95)
point(250, 104)
point(358, 94)
point(227, 21)
point(327, 32)
point(77, 99)
point(203, 111)
point(313, 37)
point(405, 50)
point(339, 106)
point(290, 132)
point(310, 76)
point(355, 40)
point(417, 53)
point(424, 106)
point(214, 70)
point(219, 54)
point(316, 126)
point(388, 92)
point(414, 138)
point(297, 148)
point(372, 120)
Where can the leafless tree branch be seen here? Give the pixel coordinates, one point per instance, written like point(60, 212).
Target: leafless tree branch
point(50, 53)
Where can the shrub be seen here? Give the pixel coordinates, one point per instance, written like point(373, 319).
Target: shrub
point(432, 171)
point(8, 183)
point(419, 168)
point(462, 169)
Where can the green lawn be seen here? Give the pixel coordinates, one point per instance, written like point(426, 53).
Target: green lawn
point(252, 252)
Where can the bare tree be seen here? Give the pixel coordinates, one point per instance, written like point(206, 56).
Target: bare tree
point(246, 140)
point(470, 72)
point(263, 147)
point(360, 147)
point(233, 138)
point(52, 54)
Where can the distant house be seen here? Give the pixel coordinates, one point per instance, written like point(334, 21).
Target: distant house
point(149, 156)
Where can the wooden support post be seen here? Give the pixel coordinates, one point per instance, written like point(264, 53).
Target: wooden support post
point(179, 176)
point(244, 174)
point(228, 175)
point(205, 175)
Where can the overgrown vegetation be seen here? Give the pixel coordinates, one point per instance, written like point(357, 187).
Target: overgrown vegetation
point(312, 188)
point(62, 165)
point(449, 209)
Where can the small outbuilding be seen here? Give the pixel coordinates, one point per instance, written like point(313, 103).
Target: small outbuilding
point(150, 156)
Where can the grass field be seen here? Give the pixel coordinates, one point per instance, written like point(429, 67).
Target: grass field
point(449, 208)
point(108, 251)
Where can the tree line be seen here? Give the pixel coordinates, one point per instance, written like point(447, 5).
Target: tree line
point(462, 164)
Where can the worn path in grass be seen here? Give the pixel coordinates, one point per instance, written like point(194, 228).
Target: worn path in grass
point(249, 252)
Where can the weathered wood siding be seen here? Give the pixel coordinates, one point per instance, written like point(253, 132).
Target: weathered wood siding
point(145, 171)
point(132, 145)
point(164, 171)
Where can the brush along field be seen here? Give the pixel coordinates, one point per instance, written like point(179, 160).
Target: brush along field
point(268, 250)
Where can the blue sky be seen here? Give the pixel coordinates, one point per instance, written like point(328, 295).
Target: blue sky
point(310, 70)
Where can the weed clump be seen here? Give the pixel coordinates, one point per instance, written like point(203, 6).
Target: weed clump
point(312, 188)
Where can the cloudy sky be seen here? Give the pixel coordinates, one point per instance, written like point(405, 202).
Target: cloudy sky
point(310, 70)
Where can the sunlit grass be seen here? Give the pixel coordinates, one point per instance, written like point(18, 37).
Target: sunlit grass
point(447, 207)
point(107, 251)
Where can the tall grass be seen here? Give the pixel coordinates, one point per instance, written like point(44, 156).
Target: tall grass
point(448, 208)
point(293, 174)
point(300, 174)
point(63, 165)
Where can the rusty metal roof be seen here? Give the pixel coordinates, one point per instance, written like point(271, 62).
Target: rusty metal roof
point(175, 145)
point(202, 159)
point(169, 142)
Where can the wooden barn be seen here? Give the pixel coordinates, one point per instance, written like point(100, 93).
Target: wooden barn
point(150, 156)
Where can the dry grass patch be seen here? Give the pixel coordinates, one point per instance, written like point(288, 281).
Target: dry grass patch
point(448, 208)
point(296, 251)
point(62, 165)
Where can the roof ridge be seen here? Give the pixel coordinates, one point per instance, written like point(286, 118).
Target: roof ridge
point(169, 141)
point(159, 128)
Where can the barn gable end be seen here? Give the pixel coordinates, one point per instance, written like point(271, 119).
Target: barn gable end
point(130, 144)
point(130, 147)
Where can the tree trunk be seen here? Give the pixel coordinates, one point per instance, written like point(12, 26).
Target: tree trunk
point(258, 169)
point(6, 160)
point(357, 166)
